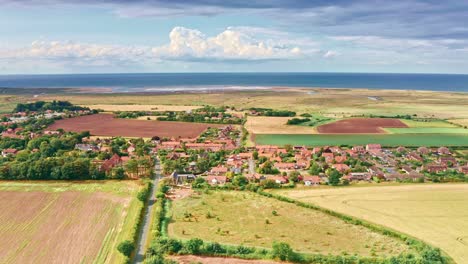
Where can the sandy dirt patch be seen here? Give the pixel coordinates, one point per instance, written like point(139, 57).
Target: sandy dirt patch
point(275, 125)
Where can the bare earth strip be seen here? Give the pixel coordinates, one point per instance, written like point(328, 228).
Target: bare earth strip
point(435, 213)
point(275, 125)
point(56, 227)
point(360, 125)
point(136, 107)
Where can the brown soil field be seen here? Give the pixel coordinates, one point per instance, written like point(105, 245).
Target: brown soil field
point(360, 126)
point(55, 227)
point(189, 259)
point(107, 125)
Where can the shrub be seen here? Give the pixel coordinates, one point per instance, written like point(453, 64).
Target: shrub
point(283, 252)
point(126, 248)
point(193, 246)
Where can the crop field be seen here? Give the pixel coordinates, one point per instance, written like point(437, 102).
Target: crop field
point(137, 107)
point(250, 219)
point(52, 222)
point(428, 130)
point(360, 126)
point(435, 213)
point(384, 139)
point(461, 122)
point(275, 125)
point(107, 125)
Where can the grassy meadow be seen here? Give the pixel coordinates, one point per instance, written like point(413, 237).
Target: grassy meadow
point(250, 219)
point(435, 213)
point(67, 221)
point(384, 139)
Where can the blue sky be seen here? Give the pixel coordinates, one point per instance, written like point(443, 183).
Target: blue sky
point(72, 36)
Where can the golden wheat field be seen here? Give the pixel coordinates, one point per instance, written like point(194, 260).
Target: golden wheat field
point(435, 213)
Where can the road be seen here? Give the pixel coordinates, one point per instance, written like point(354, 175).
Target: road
point(146, 224)
point(251, 166)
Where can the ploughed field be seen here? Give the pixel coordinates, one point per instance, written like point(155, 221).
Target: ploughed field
point(49, 222)
point(360, 126)
point(435, 213)
point(249, 219)
point(107, 125)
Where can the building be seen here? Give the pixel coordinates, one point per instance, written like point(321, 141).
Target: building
point(216, 180)
point(9, 151)
point(86, 147)
point(311, 180)
point(373, 147)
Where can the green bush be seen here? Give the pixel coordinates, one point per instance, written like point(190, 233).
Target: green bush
point(126, 248)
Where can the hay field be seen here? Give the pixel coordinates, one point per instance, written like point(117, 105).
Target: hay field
point(435, 213)
point(57, 222)
point(421, 124)
point(247, 218)
point(138, 107)
point(461, 122)
point(275, 125)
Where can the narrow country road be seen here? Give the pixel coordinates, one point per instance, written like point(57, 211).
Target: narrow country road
point(146, 224)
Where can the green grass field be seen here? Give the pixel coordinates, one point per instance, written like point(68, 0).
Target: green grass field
point(427, 130)
point(435, 213)
point(81, 222)
point(384, 139)
point(435, 123)
point(247, 218)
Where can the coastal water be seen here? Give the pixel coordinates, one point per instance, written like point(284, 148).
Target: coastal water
point(194, 81)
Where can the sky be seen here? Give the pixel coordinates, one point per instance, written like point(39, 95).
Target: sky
point(85, 36)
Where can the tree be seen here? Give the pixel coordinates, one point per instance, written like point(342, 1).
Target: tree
point(334, 177)
point(193, 246)
point(240, 181)
point(255, 155)
point(314, 169)
point(126, 248)
point(199, 182)
point(283, 252)
point(294, 176)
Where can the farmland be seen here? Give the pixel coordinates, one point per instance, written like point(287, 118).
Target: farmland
point(275, 125)
point(428, 130)
point(138, 107)
point(433, 213)
point(253, 220)
point(66, 222)
point(384, 139)
point(360, 126)
point(107, 125)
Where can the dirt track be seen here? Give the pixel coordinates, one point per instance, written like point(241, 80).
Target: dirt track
point(107, 125)
point(360, 126)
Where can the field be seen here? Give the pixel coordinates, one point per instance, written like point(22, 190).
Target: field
point(435, 213)
point(275, 125)
point(107, 125)
point(327, 102)
point(384, 139)
point(137, 107)
point(247, 218)
point(430, 124)
point(461, 122)
point(427, 130)
point(360, 126)
point(52, 222)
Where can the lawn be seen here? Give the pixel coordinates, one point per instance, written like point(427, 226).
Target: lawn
point(428, 130)
point(435, 213)
point(58, 222)
point(247, 218)
point(384, 139)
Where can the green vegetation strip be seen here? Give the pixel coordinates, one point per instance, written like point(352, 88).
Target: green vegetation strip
point(391, 140)
point(428, 130)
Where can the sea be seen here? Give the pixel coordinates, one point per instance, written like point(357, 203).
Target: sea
point(166, 82)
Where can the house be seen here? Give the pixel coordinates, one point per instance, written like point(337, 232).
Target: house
point(205, 146)
point(400, 149)
point(278, 179)
point(359, 149)
point(50, 132)
point(285, 165)
point(255, 177)
point(220, 170)
point(216, 180)
point(340, 159)
point(328, 156)
point(423, 150)
point(448, 161)
point(443, 151)
point(311, 180)
point(109, 164)
point(9, 151)
point(170, 145)
point(340, 167)
point(436, 168)
point(373, 147)
point(266, 148)
point(87, 147)
point(415, 156)
point(463, 169)
point(358, 176)
point(410, 176)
